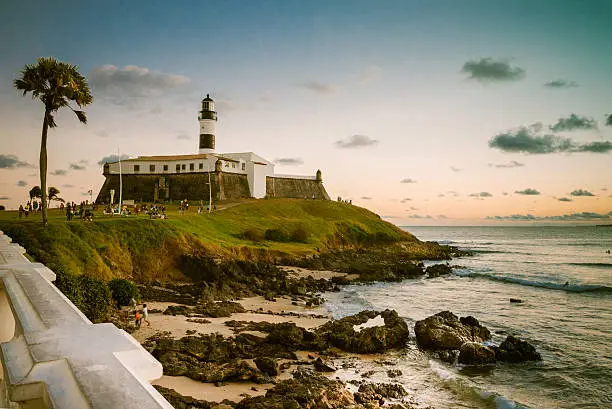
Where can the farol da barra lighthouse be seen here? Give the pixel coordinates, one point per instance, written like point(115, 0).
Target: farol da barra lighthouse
point(232, 175)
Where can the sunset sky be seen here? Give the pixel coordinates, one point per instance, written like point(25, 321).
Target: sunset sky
point(426, 112)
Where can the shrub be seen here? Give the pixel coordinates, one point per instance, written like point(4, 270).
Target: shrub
point(123, 290)
point(96, 298)
point(253, 235)
point(276, 235)
point(90, 295)
point(300, 235)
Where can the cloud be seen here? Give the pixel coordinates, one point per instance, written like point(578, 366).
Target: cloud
point(418, 216)
point(564, 199)
point(22, 183)
point(406, 199)
point(68, 186)
point(527, 192)
point(609, 120)
point(133, 81)
point(366, 198)
point(441, 195)
point(288, 161)
point(527, 140)
point(102, 134)
point(59, 172)
point(574, 122)
point(453, 193)
point(11, 162)
point(407, 180)
point(441, 216)
point(581, 192)
point(584, 216)
point(356, 141)
point(489, 70)
point(414, 208)
point(112, 158)
point(76, 166)
point(319, 87)
point(561, 84)
point(183, 136)
point(481, 194)
point(454, 169)
point(370, 74)
point(511, 164)
point(5, 198)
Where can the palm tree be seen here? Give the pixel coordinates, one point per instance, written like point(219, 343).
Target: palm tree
point(35, 193)
point(56, 84)
point(53, 195)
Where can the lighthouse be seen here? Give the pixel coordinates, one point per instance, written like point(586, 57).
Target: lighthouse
point(208, 120)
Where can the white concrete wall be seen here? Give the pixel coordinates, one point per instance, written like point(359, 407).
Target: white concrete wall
point(127, 166)
point(55, 357)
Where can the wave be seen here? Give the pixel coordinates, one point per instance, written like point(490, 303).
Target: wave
point(597, 265)
point(572, 288)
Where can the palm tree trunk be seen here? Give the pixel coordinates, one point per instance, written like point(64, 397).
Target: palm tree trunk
point(43, 168)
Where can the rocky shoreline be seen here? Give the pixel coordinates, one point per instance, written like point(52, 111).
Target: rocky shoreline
point(281, 350)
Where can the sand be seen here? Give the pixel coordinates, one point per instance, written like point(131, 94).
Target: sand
point(233, 391)
point(300, 272)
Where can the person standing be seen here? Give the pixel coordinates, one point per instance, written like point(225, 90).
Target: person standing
point(20, 211)
point(138, 319)
point(145, 314)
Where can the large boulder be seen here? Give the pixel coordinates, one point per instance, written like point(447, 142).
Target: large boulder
point(347, 334)
point(473, 353)
point(445, 330)
point(515, 350)
point(323, 366)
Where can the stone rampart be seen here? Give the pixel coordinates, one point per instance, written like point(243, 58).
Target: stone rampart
point(52, 356)
point(295, 188)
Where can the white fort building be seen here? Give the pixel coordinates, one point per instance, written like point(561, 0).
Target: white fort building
point(231, 175)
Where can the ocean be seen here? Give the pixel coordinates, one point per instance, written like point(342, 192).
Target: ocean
point(563, 275)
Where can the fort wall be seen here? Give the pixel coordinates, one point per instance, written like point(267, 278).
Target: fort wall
point(299, 188)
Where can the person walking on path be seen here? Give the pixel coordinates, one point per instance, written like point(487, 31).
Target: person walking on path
point(145, 314)
point(138, 319)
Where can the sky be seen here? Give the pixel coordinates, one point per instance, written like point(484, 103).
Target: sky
point(426, 112)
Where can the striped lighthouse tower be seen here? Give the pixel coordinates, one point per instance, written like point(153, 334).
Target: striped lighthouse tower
point(208, 120)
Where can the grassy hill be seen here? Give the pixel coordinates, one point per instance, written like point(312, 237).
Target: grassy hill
point(142, 249)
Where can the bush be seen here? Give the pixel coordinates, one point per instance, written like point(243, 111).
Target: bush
point(90, 295)
point(253, 235)
point(300, 235)
point(277, 235)
point(123, 291)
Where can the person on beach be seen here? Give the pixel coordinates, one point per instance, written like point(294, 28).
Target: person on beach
point(138, 319)
point(145, 314)
point(133, 304)
point(21, 211)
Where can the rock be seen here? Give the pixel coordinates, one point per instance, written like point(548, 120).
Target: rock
point(221, 406)
point(305, 390)
point(178, 310)
point(323, 366)
point(447, 355)
point(515, 350)
point(516, 300)
point(341, 333)
point(219, 309)
point(394, 373)
point(269, 366)
point(368, 374)
point(473, 353)
point(311, 356)
point(179, 401)
point(378, 392)
point(444, 330)
point(438, 270)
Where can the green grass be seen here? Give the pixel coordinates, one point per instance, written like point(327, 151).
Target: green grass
point(142, 249)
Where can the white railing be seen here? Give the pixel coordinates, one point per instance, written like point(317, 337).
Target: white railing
point(52, 356)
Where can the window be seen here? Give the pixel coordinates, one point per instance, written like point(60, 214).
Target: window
point(136, 168)
point(233, 165)
point(178, 168)
point(227, 164)
point(191, 166)
point(243, 166)
point(165, 168)
point(182, 166)
point(152, 168)
point(201, 166)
